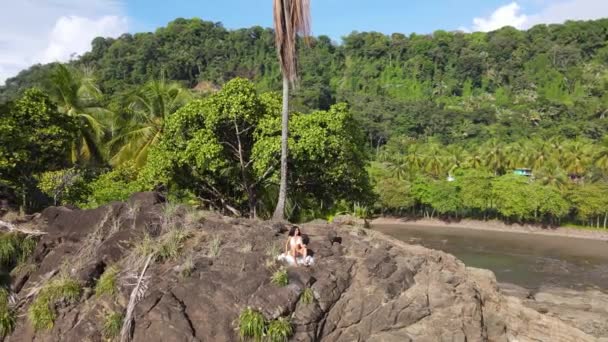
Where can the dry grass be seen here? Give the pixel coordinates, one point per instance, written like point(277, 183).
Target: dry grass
point(215, 246)
point(187, 267)
point(247, 247)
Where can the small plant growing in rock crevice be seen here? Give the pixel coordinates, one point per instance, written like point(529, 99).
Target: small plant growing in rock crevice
point(215, 247)
point(107, 283)
point(251, 324)
point(42, 310)
point(145, 247)
point(187, 267)
point(246, 247)
point(171, 244)
point(7, 314)
point(307, 296)
point(280, 277)
point(273, 250)
point(279, 330)
point(112, 323)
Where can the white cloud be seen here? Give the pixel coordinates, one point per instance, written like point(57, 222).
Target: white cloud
point(549, 13)
point(73, 35)
point(560, 11)
point(41, 31)
point(508, 15)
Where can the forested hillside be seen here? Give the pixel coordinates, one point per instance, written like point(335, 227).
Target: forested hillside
point(508, 83)
point(475, 106)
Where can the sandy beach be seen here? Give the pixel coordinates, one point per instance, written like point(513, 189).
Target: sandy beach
point(494, 225)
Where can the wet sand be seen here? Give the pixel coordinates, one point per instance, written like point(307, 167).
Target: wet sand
point(497, 226)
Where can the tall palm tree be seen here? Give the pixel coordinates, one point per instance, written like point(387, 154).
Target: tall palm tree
point(456, 157)
point(576, 158)
point(291, 17)
point(146, 115)
point(601, 156)
point(76, 94)
point(495, 156)
point(434, 161)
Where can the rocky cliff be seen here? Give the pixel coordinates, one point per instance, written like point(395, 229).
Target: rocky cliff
point(202, 270)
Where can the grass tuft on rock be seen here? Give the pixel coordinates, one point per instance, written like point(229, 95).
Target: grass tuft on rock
point(279, 330)
point(280, 277)
point(216, 246)
point(187, 267)
point(171, 244)
point(16, 248)
point(108, 282)
point(112, 323)
point(307, 296)
point(7, 314)
point(252, 324)
point(42, 311)
point(273, 250)
point(146, 246)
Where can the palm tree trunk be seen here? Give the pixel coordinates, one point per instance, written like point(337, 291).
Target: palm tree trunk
point(279, 212)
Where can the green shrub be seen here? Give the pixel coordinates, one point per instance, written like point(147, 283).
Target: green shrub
point(112, 323)
point(7, 314)
point(116, 185)
point(28, 245)
point(251, 324)
point(42, 310)
point(8, 248)
point(15, 248)
point(107, 283)
point(279, 330)
point(65, 186)
point(307, 296)
point(280, 277)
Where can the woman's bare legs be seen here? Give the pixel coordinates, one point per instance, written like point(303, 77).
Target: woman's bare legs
point(294, 254)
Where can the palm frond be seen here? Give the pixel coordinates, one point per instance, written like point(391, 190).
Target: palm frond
point(291, 17)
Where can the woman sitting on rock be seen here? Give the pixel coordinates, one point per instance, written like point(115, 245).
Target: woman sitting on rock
point(295, 245)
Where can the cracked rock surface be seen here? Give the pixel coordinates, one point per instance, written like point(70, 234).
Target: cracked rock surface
point(366, 286)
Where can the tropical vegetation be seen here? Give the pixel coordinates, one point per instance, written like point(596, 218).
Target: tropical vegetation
point(507, 124)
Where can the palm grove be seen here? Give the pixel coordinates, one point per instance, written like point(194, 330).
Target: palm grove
point(425, 125)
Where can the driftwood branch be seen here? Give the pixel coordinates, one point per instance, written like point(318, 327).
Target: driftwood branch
point(14, 228)
point(136, 295)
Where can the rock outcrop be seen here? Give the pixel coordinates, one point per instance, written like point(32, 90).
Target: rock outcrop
point(586, 310)
point(366, 286)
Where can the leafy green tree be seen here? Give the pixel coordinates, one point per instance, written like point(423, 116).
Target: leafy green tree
point(66, 186)
point(514, 198)
point(591, 203)
point(394, 194)
point(327, 156)
point(34, 137)
point(476, 190)
point(445, 197)
point(207, 147)
point(116, 185)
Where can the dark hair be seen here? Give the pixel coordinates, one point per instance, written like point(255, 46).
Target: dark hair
point(292, 231)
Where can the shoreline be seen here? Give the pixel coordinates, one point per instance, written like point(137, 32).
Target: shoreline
point(494, 225)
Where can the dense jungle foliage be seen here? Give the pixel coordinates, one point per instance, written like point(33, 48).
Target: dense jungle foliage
point(410, 125)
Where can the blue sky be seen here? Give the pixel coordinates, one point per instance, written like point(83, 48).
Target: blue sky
point(43, 31)
point(335, 18)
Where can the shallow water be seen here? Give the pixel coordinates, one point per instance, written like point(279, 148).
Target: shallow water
point(523, 259)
